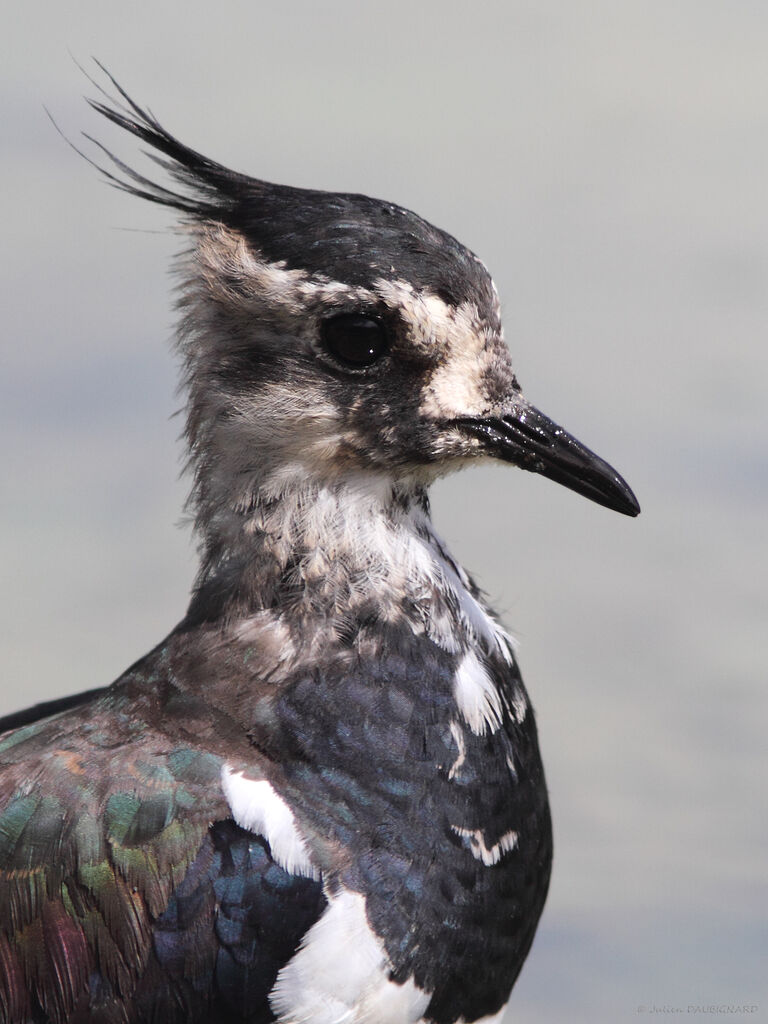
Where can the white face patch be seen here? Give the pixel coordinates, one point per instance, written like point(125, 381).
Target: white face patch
point(340, 974)
point(226, 261)
point(236, 275)
point(477, 696)
point(489, 855)
point(457, 337)
point(257, 807)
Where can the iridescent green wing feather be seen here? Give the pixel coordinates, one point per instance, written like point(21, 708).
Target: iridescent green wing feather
point(100, 818)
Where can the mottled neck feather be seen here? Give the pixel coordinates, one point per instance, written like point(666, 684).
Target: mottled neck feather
point(294, 512)
point(317, 548)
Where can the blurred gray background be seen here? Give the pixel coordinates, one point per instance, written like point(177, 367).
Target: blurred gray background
point(608, 161)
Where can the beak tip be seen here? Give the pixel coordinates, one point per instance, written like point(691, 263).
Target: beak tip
point(617, 494)
point(631, 506)
point(532, 441)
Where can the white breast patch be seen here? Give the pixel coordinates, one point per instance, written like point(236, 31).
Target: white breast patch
point(477, 695)
point(475, 616)
point(340, 974)
point(257, 807)
point(519, 705)
point(489, 855)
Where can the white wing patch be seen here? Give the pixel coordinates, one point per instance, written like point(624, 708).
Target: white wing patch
point(489, 855)
point(340, 974)
point(477, 695)
point(257, 807)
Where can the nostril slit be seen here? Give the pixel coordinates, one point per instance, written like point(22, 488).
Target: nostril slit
point(532, 432)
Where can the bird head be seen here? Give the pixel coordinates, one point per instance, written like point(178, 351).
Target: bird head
point(333, 335)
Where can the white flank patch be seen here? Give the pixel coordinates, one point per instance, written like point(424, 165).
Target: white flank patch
point(477, 696)
point(340, 974)
point(489, 855)
point(256, 806)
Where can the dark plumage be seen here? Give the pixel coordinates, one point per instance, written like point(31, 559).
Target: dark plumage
point(350, 238)
point(321, 797)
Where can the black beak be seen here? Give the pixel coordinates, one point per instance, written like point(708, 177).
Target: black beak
point(532, 441)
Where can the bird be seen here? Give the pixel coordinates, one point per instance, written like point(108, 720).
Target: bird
point(320, 799)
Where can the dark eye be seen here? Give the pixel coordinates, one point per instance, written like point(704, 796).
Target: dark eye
point(355, 340)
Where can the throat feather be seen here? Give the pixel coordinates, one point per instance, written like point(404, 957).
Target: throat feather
point(358, 549)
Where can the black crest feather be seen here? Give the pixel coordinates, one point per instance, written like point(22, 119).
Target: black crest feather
point(210, 190)
point(343, 236)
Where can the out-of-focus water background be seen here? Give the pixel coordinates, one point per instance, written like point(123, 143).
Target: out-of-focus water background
point(609, 163)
